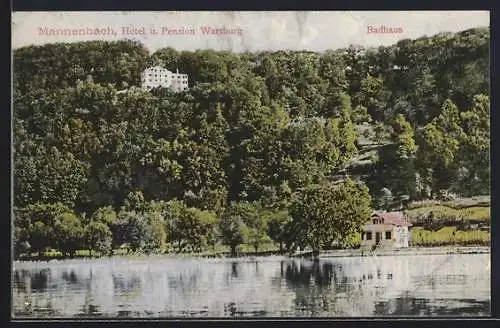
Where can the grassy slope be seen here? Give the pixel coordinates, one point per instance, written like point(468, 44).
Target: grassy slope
point(443, 212)
point(455, 222)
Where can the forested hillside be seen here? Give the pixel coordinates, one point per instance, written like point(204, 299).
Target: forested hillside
point(228, 159)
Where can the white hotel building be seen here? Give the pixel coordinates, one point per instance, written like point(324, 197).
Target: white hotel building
point(157, 76)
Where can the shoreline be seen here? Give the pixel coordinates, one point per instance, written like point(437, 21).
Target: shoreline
point(441, 250)
point(411, 251)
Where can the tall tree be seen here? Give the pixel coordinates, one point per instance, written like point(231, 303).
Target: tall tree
point(440, 145)
point(474, 155)
point(397, 160)
point(327, 215)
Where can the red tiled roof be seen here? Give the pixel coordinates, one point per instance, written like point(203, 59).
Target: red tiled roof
point(395, 218)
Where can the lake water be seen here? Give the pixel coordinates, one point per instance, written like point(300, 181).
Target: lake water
point(437, 285)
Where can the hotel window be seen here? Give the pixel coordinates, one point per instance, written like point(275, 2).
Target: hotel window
point(369, 235)
point(388, 235)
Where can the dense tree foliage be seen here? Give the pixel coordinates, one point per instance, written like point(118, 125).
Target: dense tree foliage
point(61, 64)
point(233, 229)
point(327, 215)
point(100, 163)
point(97, 236)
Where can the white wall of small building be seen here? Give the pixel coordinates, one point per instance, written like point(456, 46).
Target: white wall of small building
point(402, 236)
point(399, 236)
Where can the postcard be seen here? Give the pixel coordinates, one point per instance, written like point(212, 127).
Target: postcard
point(251, 164)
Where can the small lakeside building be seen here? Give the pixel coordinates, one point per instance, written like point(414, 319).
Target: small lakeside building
point(386, 229)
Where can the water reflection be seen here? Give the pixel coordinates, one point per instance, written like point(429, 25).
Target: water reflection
point(40, 279)
point(89, 309)
point(411, 306)
point(125, 285)
point(234, 270)
point(20, 280)
point(306, 273)
point(319, 288)
point(70, 277)
point(341, 287)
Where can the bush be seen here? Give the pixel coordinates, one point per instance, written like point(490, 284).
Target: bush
point(68, 232)
point(98, 237)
